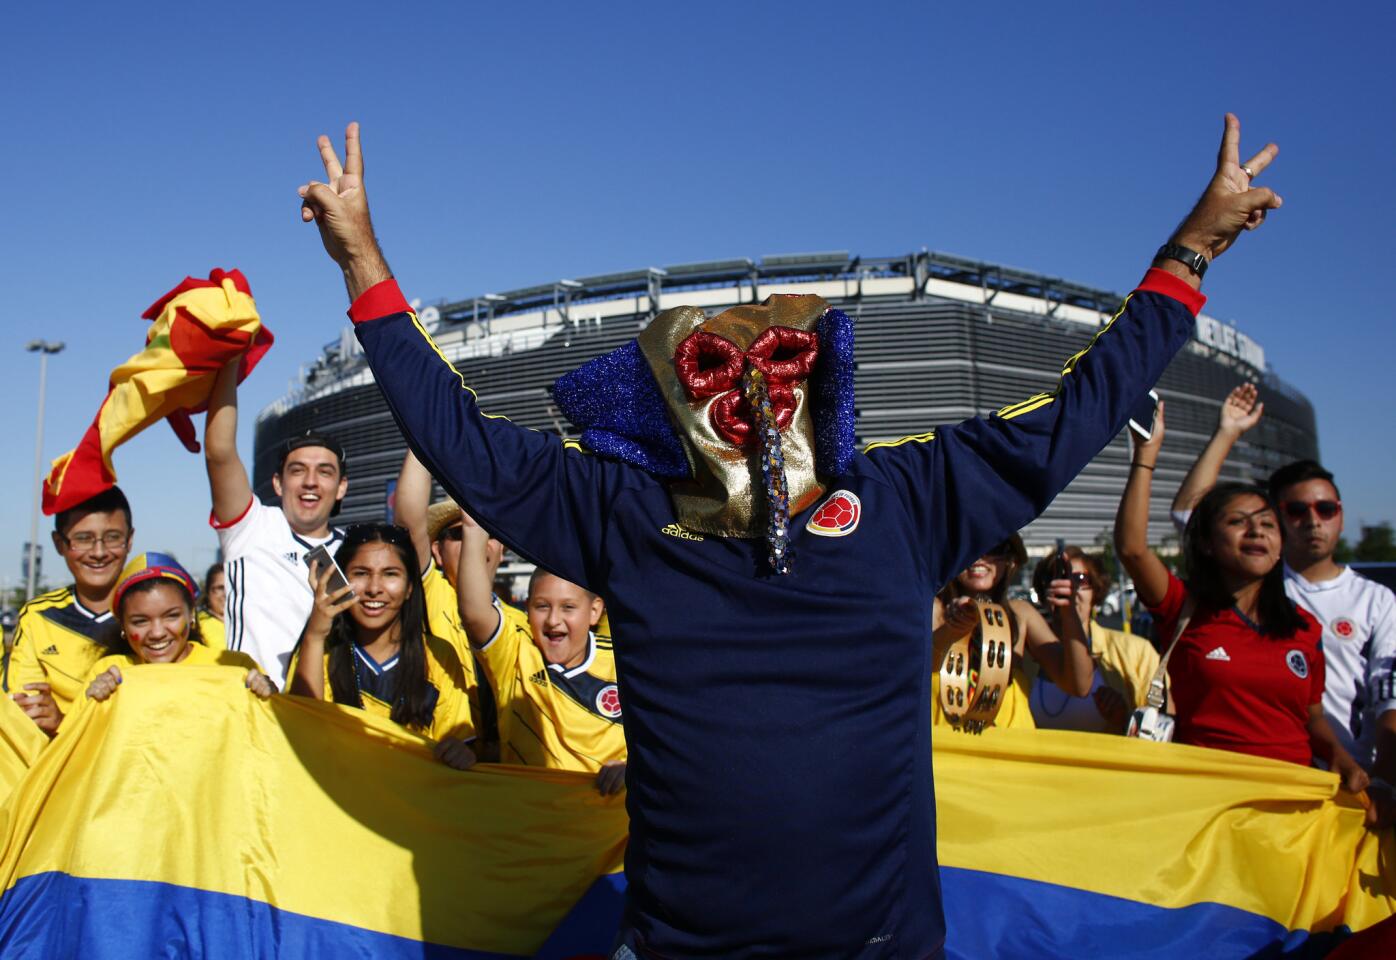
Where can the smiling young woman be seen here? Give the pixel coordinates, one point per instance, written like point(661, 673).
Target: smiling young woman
point(366, 644)
point(155, 624)
point(1065, 659)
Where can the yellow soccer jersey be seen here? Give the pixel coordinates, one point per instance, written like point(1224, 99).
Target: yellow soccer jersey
point(443, 620)
point(199, 656)
point(55, 643)
point(451, 715)
point(212, 631)
point(548, 716)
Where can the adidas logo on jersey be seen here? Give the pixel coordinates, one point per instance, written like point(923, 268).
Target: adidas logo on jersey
point(292, 556)
point(541, 677)
point(1219, 654)
point(674, 530)
point(51, 650)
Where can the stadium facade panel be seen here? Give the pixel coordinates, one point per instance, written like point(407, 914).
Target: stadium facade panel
point(939, 339)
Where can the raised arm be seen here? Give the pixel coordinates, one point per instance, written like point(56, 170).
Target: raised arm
point(548, 501)
point(1132, 522)
point(475, 585)
point(1240, 411)
point(227, 477)
point(411, 502)
point(968, 486)
point(1062, 652)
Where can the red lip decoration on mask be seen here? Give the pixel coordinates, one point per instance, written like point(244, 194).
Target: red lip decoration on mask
point(709, 365)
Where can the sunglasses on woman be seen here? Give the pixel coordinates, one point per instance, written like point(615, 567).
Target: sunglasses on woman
point(1323, 509)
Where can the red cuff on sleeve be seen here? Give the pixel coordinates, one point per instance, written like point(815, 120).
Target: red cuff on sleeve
point(383, 299)
point(217, 524)
point(1155, 281)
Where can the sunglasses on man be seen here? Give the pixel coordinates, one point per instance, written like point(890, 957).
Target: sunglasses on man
point(1323, 509)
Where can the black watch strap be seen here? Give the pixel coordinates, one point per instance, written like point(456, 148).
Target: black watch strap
point(1194, 261)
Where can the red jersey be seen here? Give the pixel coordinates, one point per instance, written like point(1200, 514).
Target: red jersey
point(1235, 688)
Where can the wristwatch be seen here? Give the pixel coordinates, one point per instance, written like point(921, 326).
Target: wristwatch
point(1193, 260)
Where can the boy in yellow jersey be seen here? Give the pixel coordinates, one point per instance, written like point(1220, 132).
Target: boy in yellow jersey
point(436, 536)
point(559, 705)
point(56, 636)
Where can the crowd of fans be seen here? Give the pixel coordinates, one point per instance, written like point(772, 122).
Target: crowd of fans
point(1272, 647)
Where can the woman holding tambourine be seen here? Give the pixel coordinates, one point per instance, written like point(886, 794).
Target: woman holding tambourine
point(1065, 660)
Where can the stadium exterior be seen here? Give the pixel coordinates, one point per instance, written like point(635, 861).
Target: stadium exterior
point(939, 339)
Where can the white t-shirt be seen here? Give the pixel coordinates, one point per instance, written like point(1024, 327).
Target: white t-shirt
point(269, 596)
point(1358, 617)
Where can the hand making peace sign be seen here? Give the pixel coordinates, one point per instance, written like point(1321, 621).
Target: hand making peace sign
point(340, 209)
point(1231, 203)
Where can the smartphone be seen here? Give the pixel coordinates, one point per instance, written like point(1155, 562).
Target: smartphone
point(1141, 417)
point(1063, 562)
point(321, 557)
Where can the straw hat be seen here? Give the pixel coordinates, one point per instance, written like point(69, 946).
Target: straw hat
point(440, 515)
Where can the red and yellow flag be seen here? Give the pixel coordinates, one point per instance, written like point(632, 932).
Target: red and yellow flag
point(198, 327)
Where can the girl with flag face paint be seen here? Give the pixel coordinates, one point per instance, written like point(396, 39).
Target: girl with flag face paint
point(154, 606)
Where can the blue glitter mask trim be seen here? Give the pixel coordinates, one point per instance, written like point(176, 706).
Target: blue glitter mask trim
point(832, 388)
point(616, 403)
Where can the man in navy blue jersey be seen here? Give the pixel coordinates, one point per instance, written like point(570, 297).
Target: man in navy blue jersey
point(769, 586)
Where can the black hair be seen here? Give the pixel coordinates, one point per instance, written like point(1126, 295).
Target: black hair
point(412, 705)
point(208, 581)
point(113, 638)
point(1298, 472)
point(108, 501)
point(540, 572)
point(313, 439)
point(1277, 614)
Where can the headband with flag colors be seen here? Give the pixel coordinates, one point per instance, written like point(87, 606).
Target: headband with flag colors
point(198, 327)
point(148, 566)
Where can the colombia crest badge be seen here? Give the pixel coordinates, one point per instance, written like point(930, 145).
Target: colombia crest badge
point(608, 701)
point(837, 516)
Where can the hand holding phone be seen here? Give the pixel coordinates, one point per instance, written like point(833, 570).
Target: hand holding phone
point(1142, 416)
point(319, 560)
point(332, 594)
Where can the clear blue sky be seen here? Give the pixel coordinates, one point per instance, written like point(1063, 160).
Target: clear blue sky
point(515, 144)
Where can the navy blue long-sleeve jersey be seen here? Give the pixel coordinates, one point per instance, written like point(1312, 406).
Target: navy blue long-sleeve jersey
point(780, 789)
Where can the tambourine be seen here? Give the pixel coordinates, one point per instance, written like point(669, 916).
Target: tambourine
point(977, 669)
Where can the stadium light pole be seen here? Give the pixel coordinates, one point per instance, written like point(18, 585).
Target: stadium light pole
point(43, 348)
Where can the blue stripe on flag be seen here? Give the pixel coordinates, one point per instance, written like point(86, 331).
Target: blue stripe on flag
point(57, 915)
point(991, 915)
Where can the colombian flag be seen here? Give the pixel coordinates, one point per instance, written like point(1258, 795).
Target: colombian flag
point(184, 817)
point(198, 327)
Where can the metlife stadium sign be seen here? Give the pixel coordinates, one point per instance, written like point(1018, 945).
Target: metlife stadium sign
point(1230, 341)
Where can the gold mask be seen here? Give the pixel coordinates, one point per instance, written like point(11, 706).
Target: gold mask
point(699, 378)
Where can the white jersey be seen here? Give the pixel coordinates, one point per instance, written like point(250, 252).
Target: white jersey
point(1358, 617)
point(269, 594)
